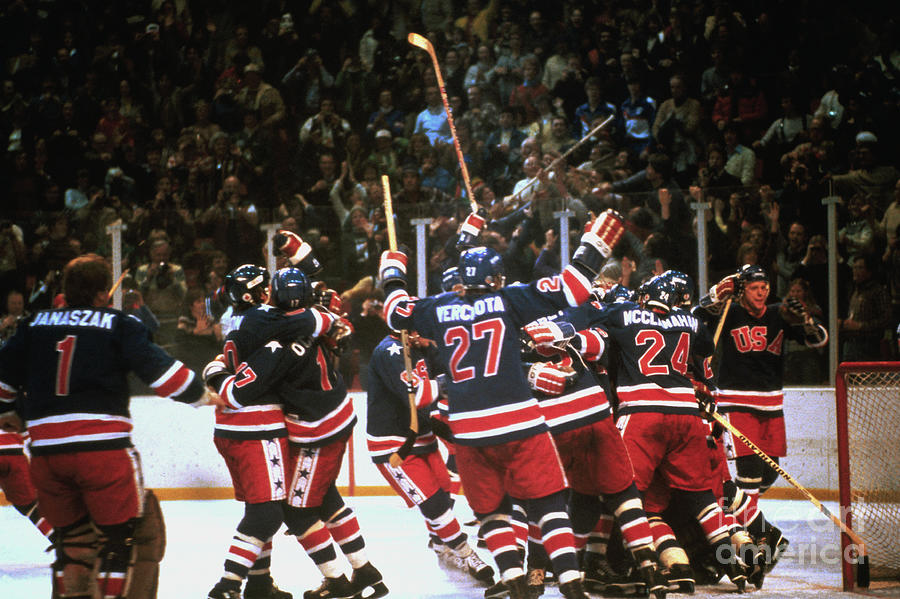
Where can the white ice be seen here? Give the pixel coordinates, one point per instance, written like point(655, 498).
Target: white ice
point(199, 533)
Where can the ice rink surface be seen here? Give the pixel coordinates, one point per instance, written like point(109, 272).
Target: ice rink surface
point(199, 532)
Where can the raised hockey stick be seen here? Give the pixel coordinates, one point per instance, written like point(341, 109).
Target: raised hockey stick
point(556, 161)
point(420, 41)
point(117, 283)
point(398, 456)
point(862, 567)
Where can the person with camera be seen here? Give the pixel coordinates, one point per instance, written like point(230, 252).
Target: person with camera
point(325, 130)
point(15, 313)
point(163, 287)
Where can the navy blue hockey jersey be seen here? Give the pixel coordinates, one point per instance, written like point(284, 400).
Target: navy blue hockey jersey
point(477, 339)
point(71, 367)
point(750, 373)
point(387, 415)
point(300, 376)
point(653, 356)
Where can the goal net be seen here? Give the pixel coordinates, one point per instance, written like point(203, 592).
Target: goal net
point(868, 415)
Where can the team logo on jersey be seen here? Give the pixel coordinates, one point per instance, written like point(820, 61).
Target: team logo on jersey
point(747, 339)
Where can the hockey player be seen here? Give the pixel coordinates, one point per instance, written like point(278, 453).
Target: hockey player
point(422, 479)
point(319, 417)
point(503, 443)
point(658, 413)
point(69, 367)
point(593, 454)
point(749, 378)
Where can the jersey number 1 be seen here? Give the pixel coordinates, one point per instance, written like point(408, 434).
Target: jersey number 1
point(459, 336)
point(66, 350)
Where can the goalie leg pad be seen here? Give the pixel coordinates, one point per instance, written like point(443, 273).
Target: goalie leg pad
point(150, 545)
point(115, 559)
point(76, 552)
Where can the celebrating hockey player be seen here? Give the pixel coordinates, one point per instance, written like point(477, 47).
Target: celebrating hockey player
point(749, 378)
point(658, 413)
point(69, 368)
point(422, 479)
point(504, 447)
point(593, 454)
point(319, 417)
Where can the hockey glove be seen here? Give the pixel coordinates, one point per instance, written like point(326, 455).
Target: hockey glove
point(794, 311)
point(598, 240)
point(705, 401)
point(327, 298)
point(215, 372)
point(338, 336)
point(470, 229)
point(550, 378)
point(298, 252)
point(549, 333)
point(392, 268)
point(724, 289)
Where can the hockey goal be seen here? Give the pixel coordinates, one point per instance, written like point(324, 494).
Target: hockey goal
point(868, 416)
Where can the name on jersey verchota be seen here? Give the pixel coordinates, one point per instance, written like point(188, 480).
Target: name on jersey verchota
point(639, 316)
point(75, 318)
point(484, 305)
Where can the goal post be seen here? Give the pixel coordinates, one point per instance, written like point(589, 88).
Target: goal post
point(867, 396)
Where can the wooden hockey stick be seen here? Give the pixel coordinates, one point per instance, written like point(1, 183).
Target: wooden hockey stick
point(117, 283)
point(398, 456)
point(862, 568)
point(420, 41)
point(556, 161)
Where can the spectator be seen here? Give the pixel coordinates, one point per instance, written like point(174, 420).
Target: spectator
point(676, 129)
point(740, 160)
point(433, 120)
point(526, 94)
point(857, 236)
point(14, 313)
point(803, 365)
point(868, 316)
point(386, 117)
point(325, 130)
point(596, 108)
point(261, 97)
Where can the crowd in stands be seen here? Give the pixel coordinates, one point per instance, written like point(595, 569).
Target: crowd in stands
point(194, 122)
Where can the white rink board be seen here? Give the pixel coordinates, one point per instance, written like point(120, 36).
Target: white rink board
point(175, 442)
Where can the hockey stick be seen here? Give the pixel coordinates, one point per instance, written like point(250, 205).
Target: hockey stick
point(556, 161)
point(117, 283)
point(420, 41)
point(717, 351)
point(862, 568)
point(397, 457)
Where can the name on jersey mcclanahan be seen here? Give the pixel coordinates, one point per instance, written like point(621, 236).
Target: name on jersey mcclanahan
point(485, 305)
point(75, 318)
point(639, 316)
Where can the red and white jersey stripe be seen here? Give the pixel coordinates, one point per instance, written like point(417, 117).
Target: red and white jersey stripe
point(264, 421)
point(649, 397)
point(319, 432)
point(62, 432)
point(732, 400)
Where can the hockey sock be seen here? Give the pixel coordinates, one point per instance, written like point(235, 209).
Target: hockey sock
point(259, 573)
point(519, 522)
point(556, 534)
point(260, 523)
point(749, 478)
point(704, 507)
point(500, 539)
point(583, 512)
point(440, 519)
point(32, 512)
point(670, 552)
point(629, 513)
point(319, 546)
point(537, 556)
